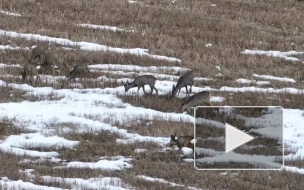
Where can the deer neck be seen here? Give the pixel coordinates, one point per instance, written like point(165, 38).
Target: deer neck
point(132, 84)
point(178, 144)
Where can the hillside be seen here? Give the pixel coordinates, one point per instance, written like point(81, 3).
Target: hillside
point(90, 134)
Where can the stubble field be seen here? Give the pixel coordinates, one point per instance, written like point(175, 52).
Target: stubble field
point(91, 134)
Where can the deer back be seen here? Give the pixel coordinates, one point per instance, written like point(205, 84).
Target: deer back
point(182, 141)
point(144, 79)
point(188, 77)
point(77, 69)
point(38, 50)
point(197, 100)
point(185, 141)
point(52, 58)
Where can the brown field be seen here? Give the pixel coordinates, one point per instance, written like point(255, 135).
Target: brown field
point(181, 30)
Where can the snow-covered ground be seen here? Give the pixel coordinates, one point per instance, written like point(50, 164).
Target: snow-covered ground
point(75, 103)
point(9, 13)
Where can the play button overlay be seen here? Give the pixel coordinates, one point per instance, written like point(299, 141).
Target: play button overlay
point(238, 138)
point(235, 138)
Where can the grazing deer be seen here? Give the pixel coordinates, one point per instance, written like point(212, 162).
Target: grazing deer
point(183, 81)
point(140, 82)
point(78, 71)
point(38, 51)
point(30, 69)
point(49, 60)
point(202, 97)
point(183, 141)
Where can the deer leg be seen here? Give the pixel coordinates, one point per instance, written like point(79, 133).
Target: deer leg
point(179, 153)
point(178, 92)
point(53, 70)
point(151, 87)
point(155, 90)
point(88, 71)
point(194, 153)
point(38, 77)
point(138, 88)
point(74, 76)
point(187, 93)
point(26, 79)
point(143, 86)
point(31, 79)
point(81, 73)
point(188, 109)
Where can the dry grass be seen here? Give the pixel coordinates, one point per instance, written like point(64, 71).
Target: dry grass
point(297, 162)
point(8, 128)
point(154, 165)
point(10, 169)
point(8, 94)
point(182, 30)
point(160, 128)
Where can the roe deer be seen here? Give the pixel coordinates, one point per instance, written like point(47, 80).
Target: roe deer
point(49, 60)
point(183, 81)
point(38, 51)
point(78, 71)
point(183, 141)
point(202, 97)
point(30, 69)
point(140, 82)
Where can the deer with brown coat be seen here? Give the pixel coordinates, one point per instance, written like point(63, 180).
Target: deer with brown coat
point(30, 69)
point(197, 99)
point(183, 81)
point(51, 60)
point(78, 71)
point(183, 141)
point(38, 51)
point(140, 82)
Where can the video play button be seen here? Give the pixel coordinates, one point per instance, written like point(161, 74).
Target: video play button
point(235, 138)
point(224, 140)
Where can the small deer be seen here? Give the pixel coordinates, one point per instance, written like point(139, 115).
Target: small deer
point(183, 81)
point(38, 51)
point(183, 141)
point(49, 60)
point(30, 69)
point(140, 82)
point(202, 97)
point(78, 71)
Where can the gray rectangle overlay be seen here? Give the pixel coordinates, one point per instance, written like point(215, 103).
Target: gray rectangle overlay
point(265, 152)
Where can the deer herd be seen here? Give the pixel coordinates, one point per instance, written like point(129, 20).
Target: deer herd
point(41, 60)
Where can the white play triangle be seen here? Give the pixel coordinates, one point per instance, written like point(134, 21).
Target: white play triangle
point(235, 138)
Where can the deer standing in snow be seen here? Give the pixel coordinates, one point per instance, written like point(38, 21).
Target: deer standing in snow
point(140, 82)
point(30, 69)
point(183, 81)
